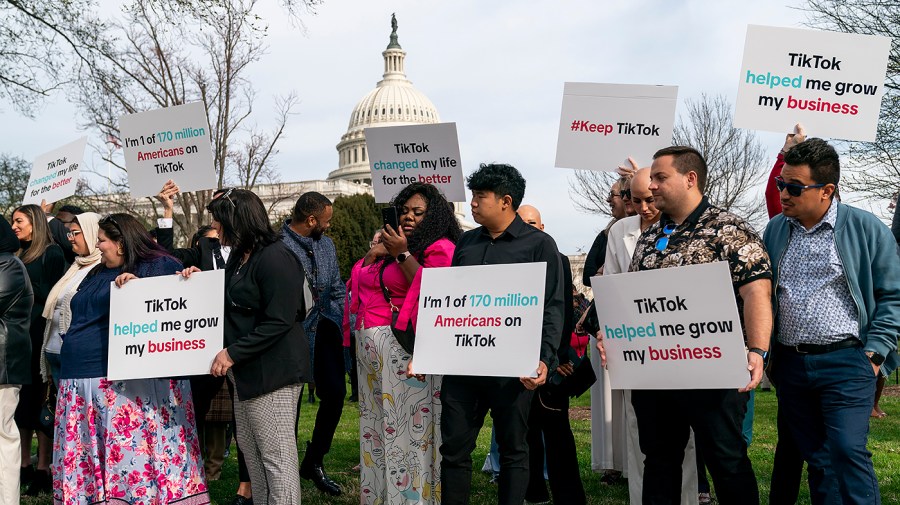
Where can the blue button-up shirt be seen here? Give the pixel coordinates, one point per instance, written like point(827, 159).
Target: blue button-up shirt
point(814, 301)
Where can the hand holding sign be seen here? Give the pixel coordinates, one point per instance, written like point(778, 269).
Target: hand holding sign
point(673, 328)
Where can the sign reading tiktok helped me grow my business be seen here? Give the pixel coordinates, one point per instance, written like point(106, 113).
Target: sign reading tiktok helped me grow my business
point(831, 81)
point(402, 155)
point(672, 328)
point(480, 320)
point(170, 143)
point(603, 124)
point(166, 326)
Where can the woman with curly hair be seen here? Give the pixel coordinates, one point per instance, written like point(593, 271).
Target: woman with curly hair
point(399, 415)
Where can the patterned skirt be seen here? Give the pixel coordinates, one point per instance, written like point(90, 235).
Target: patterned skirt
point(128, 442)
point(399, 425)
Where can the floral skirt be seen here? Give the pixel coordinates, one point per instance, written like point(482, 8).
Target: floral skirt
point(131, 442)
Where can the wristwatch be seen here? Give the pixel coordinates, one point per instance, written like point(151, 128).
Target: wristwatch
point(402, 257)
point(875, 358)
point(759, 351)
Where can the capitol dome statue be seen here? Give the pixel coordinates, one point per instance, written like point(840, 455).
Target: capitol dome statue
point(393, 102)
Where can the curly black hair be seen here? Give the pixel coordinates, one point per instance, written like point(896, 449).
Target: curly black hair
point(439, 220)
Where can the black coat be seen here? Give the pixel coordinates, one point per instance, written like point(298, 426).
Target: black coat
point(264, 313)
point(200, 256)
point(16, 299)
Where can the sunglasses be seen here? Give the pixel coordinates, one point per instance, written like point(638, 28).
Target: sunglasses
point(794, 189)
point(663, 241)
point(109, 219)
point(72, 234)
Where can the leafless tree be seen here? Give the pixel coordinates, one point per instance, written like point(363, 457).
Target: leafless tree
point(150, 67)
point(872, 168)
point(735, 158)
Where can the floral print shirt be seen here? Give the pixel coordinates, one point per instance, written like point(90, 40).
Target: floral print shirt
point(709, 234)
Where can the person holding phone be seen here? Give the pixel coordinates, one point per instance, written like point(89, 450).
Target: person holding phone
point(399, 420)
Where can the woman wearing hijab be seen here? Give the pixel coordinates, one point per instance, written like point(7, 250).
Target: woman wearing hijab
point(83, 237)
point(15, 345)
point(130, 441)
point(45, 263)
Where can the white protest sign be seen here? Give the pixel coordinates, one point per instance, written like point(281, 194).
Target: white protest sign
point(672, 328)
point(166, 326)
point(401, 155)
point(832, 82)
point(170, 143)
point(481, 320)
point(54, 175)
point(603, 124)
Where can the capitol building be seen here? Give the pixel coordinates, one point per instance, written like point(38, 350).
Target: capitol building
point(393, 102)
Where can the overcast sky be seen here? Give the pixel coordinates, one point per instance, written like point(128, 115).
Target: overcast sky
point(495, 68)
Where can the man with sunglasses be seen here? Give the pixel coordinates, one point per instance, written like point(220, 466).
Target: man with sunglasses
point(837, 296)
point(693, 231)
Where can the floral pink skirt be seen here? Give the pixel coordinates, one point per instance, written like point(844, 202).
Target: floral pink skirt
point(131, 442)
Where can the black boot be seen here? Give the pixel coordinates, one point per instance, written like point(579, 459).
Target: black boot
point(315, 472)
point(26, 473)
point(41, 482)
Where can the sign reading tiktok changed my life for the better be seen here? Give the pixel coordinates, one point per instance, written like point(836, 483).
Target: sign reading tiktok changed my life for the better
point(166, 326)
point(54, 175)
point(832, 82)
point(603, 124)
point(480, 320)
point(170, 143)
point(672, 328)
point(402, 155)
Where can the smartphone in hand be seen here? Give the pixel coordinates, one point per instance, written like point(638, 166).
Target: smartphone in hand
point(389, 217)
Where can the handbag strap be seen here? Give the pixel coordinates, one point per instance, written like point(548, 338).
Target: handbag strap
point(384, 289)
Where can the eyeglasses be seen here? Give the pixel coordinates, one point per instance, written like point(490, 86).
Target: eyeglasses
point(614, 194)
point(71, 234)
point(794, 189)
point(663, 241)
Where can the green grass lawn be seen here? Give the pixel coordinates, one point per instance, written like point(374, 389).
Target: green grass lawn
point(884, 442)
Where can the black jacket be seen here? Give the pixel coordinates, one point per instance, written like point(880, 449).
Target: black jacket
point(264, 312)
point(200, 256)
point(16, 299)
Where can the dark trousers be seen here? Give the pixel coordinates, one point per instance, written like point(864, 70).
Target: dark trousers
point(351, 366)
point(716, 415)
point(549, 431)
point(787, 468)
point(465, 401)
point(826, 400)
point(328, 374)
point(243, 472)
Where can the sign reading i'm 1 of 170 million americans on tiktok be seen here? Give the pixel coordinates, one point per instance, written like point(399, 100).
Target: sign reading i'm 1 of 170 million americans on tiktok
point(482, 320)
point(170, 143)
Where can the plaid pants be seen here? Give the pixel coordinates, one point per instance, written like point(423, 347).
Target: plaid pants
point(265, 434)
